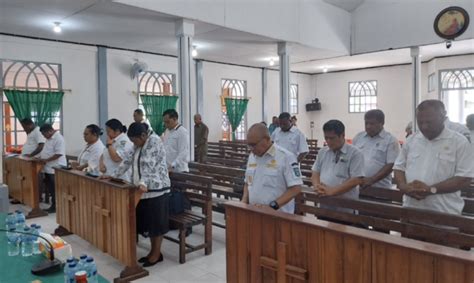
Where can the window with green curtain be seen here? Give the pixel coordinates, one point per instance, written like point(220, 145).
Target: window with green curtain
point(154, 106)
point(235, 111)
point(41, 106)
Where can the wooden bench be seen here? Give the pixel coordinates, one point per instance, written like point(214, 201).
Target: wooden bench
point(445, 229)
point(198, 190)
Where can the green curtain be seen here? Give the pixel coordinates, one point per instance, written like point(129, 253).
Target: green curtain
point(154, 106)
point(41, 106)
point(235, 109)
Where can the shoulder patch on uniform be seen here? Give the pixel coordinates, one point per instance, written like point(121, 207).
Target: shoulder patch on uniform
point(296, 169)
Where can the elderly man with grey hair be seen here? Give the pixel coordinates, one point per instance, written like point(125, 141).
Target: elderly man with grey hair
point(273, 176)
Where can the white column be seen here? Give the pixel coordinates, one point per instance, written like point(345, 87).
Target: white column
point(416, 81)
point(264, 95)
point(284, 53)
point(184, 34)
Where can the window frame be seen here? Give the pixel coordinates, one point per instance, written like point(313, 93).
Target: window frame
point(294, 89)
point(241, 132)
point(56, 74)
point(360, 104)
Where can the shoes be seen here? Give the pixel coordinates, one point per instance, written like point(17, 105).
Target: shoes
point(143, 259)
point(148, 264)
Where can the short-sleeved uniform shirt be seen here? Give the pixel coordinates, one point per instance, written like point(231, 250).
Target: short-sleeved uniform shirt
point(90, 155)
point(123, 146)
point(33, 139)
point(378, 151)
point(434, 161)
point(269, 176)
point(336, 168)
point(52, 146)
point(176, 142)
point(292, 140)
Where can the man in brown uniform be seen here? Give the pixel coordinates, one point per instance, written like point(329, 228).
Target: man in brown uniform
point(201, 132)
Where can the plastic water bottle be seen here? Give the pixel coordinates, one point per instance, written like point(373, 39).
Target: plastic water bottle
point(10, 221)
point(36, 229)
point(66, 268)
point(72, 269)
point(26, 243)
point(13, 242)
point(91, 270)
point(81, 265)
point(20, 225)
point(19, 215)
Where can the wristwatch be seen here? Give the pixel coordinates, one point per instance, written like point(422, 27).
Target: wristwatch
point(433, 190)
point(274, 205)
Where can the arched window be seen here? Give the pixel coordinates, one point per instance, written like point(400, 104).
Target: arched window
point(25, 75)
point(362, 96)
point(457, 93)
point(155, 83)
point(233, 89)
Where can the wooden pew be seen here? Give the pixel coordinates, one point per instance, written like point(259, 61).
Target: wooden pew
point(458, 231)
point(102, 213)
point(198, 190)
point(267, 246)
point(394, 196)
point(21, 174)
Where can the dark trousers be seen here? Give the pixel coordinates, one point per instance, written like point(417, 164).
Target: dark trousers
point(50, 188)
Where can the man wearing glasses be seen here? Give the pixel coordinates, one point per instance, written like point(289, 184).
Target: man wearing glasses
point(339, 167)
point(273, 176)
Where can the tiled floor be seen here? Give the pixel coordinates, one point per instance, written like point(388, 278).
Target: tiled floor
point(198, 267)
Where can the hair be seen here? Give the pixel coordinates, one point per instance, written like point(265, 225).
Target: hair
point(27, 121)
point(263, 122)
point(94, 129)
point(437, 105)
point(116, 125)
point(138, 111)
point(274, 117)
point(376, 114)
point(171, 113)
point(136, 130)
point(335, 126)
point(46, 128)
point(470, 123)
point(294, 117)
point(284, 115)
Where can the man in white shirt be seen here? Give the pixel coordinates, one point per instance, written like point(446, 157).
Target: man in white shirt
point(52, 155)
point(290, 138)
point(435, 163)
point(380, 150)
point(272, 177)
point(34, 139)
point(176, 140)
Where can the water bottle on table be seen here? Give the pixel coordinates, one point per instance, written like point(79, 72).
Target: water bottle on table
point(81, 265)
point(91, 270)
point(26, 243)
point(19, 215)
point(36, 229)
point(70, 272)
point(10, 221)
point(13, 242)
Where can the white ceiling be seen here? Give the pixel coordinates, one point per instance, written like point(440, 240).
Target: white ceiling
point(348, 5)
point(103, 22)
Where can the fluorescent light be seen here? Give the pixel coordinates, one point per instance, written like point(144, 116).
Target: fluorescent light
point(271, 63)
point(325, 70)
point(194, 52)
point(57, 27)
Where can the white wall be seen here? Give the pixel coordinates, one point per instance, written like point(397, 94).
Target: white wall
point(383, 24)
point(394, 94)
point(79, 74)
point(122, 89)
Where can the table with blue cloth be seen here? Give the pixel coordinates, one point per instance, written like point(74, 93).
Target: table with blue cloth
point(15, 269)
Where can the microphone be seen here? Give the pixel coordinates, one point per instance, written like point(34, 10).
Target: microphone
point(49, 265)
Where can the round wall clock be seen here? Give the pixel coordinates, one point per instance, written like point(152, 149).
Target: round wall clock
point(451, 22)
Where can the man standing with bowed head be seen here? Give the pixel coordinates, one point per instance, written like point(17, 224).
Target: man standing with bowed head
point(201, 132)
point(380, 150)
point(339, 167)
point(34, 139)
point(435, 163)
point(290, 138)
point(176, 141)
point(273, 176)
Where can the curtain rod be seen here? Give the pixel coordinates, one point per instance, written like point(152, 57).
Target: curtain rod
point(155, 93)
point(41, 88)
